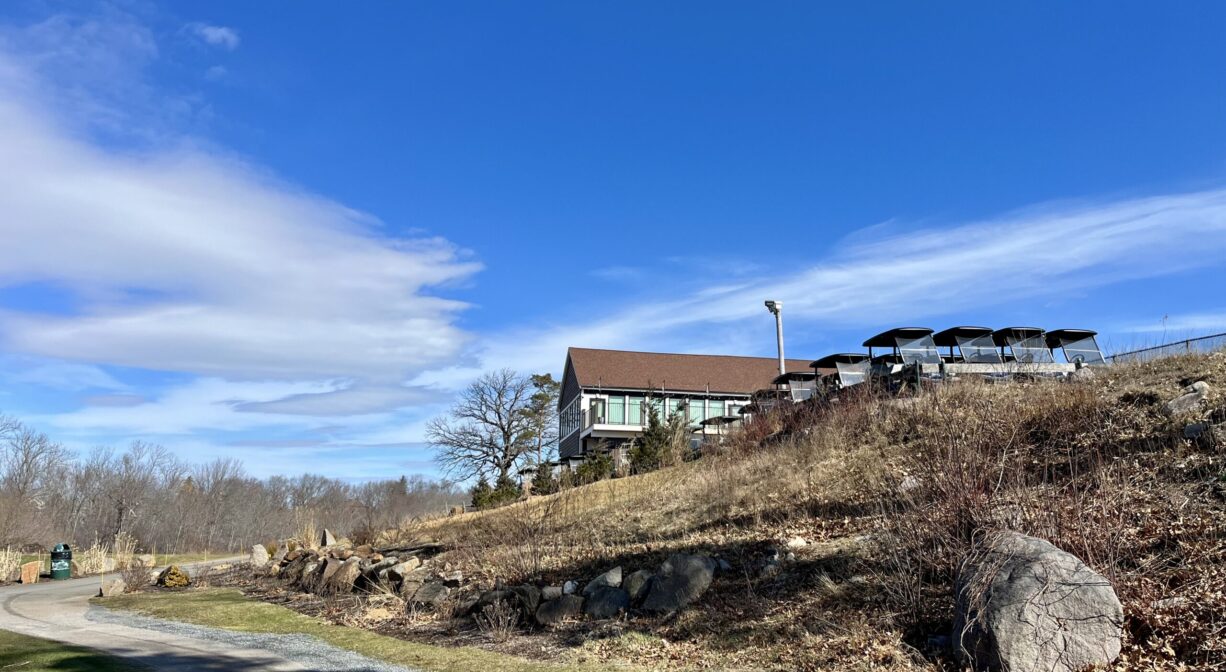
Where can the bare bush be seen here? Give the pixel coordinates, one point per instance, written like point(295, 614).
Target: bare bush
point(498, 621)
point(136, 577)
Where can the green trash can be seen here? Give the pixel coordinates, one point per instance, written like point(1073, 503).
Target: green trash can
point(61, 562)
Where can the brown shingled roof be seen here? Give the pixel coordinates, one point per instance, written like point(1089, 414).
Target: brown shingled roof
point(618, 369)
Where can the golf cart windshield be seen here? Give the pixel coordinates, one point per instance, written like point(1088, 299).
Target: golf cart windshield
point(1083, 351)
point(852, 373)
point(921, 350)
point(978, 349)
point(1031, 350)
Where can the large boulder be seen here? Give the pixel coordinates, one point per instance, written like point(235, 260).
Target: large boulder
point(565, 608)
point(636, 584)
point(610, 579)
point(527, 597)
point(431, 594)
point(30, 570)
point(259, 556)
point(681, 580)
point(1023, 604)
point(343, 578)
point(1193, 396)
point(606, 602)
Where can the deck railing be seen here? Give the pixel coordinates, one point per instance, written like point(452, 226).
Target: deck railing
point(1188, 345)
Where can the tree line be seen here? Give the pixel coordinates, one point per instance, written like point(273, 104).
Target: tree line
point(49, 494)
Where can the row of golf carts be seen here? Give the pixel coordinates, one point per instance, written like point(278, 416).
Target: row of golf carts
point(910, 356)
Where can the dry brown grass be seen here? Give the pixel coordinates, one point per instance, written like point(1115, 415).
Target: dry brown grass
point(1097, 467)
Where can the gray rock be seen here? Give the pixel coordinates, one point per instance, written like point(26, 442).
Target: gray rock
point(400, 570)
point(551, 592)
point(432, 594)
point(259, 556)
point(610, 579)
point(681, 580)
point(636, 585)
point(569, 588)
point(282, 551)
point(1191, 399)
point(723, 565)
point(453, 578)
point(111, 587)
point(606, 602)
point(565, 608)
point(1026, 605)
point(330, 567)
point(327, 539)
point(528, 597)
point(491, 597)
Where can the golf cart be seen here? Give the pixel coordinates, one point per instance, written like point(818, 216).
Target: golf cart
point(912, 356)
point(1078, 346)
point(842, 370)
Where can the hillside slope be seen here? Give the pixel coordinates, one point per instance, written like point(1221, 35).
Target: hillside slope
point(871, 506)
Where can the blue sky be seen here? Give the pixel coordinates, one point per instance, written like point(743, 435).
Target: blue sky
point(289, 235)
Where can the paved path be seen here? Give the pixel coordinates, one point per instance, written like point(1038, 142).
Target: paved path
point(60, 610)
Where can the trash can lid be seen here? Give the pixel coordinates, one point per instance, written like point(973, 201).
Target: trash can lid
point(61, 548)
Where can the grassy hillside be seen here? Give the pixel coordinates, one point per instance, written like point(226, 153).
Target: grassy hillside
point(889, 495)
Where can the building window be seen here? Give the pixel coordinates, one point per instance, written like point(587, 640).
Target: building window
point(716, 409)
point(617, 411)
point(697, 410)
point(636, 411)
point(676, 407)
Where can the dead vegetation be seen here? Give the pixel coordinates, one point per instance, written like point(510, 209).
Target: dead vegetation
point(866, 510)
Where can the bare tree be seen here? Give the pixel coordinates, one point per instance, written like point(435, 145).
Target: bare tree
point(487, 431)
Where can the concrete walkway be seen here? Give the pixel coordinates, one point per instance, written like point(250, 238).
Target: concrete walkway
point(60, 611)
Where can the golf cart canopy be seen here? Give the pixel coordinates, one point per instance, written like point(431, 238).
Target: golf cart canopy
point(912, 344)
point(832, 361)
point(850, 368)
point(1079, 345)
point(975, 344)
point(721, 420)
point(1026, 344)
point(799, 385)
point(793, 376)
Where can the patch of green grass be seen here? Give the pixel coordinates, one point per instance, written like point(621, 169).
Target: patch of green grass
point(32, 654)
point(185, 558)
point(228, 609)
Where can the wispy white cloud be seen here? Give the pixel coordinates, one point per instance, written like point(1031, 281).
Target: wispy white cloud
point(1041, 252)
point(1183, 325)
point(189, 261)
point(217, 36)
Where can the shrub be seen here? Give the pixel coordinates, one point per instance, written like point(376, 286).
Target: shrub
point(498, 620)
point(596, 467)
point(543, 482)
point(136, 577)
point(505, 491)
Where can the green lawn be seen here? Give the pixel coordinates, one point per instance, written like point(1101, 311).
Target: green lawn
point(31, 654)
point(229, 609)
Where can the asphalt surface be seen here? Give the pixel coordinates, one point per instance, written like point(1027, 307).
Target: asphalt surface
point(60, 611)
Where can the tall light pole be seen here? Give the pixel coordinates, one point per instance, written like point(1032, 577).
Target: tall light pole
point(776, 308)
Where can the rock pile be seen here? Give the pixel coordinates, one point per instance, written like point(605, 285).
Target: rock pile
point(340, 569)
point(675, 584)
point(411, 573)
